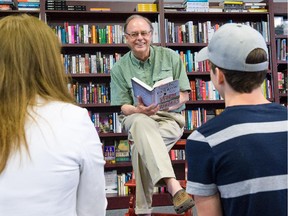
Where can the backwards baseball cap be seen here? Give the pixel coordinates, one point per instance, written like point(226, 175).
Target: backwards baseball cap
point(231, 44)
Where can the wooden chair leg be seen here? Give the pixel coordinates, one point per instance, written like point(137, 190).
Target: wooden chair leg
point(131, 209)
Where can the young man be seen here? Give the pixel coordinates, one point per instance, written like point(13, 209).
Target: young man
point(237, 161)
point(152, 132)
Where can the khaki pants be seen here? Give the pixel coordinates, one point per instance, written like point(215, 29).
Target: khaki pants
point(152, 138)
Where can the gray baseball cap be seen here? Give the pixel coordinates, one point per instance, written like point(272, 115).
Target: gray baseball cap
point(231, 44)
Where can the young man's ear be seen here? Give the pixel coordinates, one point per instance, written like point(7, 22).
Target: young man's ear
point(220, 76)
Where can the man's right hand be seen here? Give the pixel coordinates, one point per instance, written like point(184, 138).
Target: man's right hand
point(150, 110)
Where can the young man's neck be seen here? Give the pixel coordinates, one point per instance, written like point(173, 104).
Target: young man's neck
point(256, 97)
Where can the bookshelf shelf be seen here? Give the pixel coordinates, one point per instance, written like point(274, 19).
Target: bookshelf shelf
point(118, 165)
point(91, 75)
point(117, 202)
point(191, 45)
point(88, 16)
point(204, 102)
point(118, 14)
point(129, 164)
point(196, 73)
point(111, 135)
point(94, 45)
point(15, 12)
point(281, 36)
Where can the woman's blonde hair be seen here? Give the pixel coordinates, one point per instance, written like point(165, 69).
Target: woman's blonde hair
point(30, 65)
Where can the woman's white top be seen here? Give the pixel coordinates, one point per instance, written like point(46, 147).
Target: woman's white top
point(64, 175)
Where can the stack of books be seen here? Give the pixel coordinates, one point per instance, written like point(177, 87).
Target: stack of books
point(31, 5)
point(196, 5)
point(215, 7)
point(76, 7)
point(255, 7)
point(61, 5)
point(147, 7)
point(56, 5)
point(174, 7)
point(101, 9)
point(232, 6)
point(6, 5)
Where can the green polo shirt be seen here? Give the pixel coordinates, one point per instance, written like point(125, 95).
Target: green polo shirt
point(162, 63)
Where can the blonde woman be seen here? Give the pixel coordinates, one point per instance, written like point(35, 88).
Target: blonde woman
point(51, 160)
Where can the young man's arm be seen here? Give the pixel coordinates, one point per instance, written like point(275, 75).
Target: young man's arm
point(208, 205)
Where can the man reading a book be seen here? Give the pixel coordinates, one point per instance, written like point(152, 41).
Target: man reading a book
point(152, 132)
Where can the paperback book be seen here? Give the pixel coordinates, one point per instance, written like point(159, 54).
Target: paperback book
point(164, 93)
point(109, 151)
point(122, 150)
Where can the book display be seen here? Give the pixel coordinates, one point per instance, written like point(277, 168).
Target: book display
point(91, 33)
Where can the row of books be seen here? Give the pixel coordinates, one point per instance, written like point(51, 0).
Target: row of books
point(177, 154)
point(95, 34)
point(189, 32)
point(189, 59)
point(97, 93)
point(116, 151)
point(89, 34)
point(106, 122)
point(114, 182)
point(196, 117)
point(90, 63)
point(90, 93)
point(103, 63)
point(202, 32)
point(203, 90)
point(282, 83)
point(281, 49)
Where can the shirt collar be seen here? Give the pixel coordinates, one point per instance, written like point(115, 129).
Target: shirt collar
point(139, 63)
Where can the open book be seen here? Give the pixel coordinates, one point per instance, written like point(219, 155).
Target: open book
point(164, 93)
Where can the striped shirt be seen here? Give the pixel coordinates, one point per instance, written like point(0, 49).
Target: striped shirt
point(242, 154)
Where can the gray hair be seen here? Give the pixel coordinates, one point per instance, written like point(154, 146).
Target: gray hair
point(137, 16)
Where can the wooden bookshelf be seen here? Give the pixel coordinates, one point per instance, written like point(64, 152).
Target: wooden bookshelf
point(280, 65)
point(117, 15)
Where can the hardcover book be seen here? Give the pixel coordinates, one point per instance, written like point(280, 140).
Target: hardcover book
point(109, 151)
point(164, 93)
point(111, 186)
point(122, 150)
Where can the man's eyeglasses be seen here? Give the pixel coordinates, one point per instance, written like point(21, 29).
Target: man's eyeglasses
point(135, 35)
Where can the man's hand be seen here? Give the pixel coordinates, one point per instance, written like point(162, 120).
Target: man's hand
point(150, 110)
